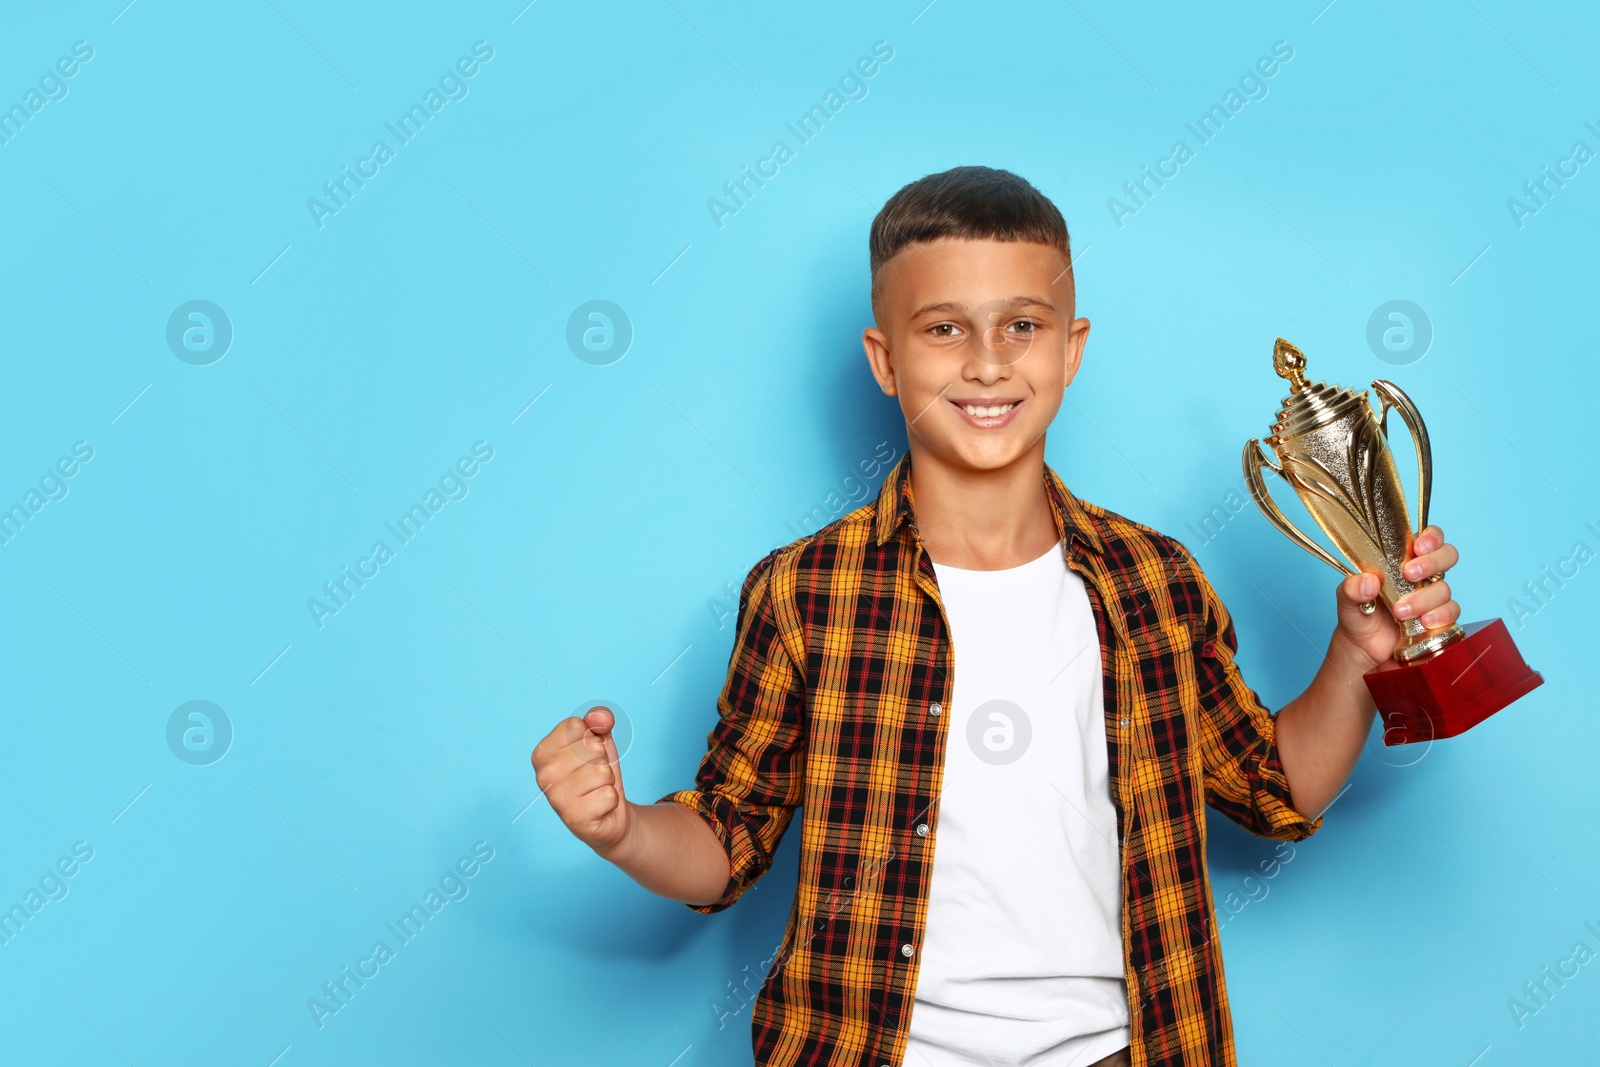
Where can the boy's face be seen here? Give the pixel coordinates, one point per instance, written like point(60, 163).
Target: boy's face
point(978, 340)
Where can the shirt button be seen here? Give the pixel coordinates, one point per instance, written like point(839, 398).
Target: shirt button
point(1124, 722)
point(906, 951)
point(922, 829)
point(935, 709)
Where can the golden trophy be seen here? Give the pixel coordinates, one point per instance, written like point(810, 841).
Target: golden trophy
point(1334, 451)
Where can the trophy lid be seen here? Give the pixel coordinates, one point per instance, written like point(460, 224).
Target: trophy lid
point(1309, 405)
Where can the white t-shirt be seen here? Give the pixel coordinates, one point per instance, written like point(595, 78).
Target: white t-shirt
point(1022, 959)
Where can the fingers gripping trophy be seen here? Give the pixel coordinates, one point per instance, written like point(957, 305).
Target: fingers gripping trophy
point(1334, 451)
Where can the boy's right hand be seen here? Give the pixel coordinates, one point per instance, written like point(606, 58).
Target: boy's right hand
point(578, 769)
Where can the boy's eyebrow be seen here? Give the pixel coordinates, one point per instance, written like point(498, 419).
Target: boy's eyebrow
point(945, 306)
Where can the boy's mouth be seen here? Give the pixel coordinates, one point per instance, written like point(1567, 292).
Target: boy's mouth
point(987, 412)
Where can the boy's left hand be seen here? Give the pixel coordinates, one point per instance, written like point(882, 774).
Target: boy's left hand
point(1375, 636)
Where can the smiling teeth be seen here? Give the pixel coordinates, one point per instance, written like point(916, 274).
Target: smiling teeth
point(986, 413)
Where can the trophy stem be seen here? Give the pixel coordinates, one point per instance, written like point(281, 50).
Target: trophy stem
point(1417, 642)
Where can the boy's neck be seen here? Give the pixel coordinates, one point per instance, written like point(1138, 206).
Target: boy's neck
point(982, 520)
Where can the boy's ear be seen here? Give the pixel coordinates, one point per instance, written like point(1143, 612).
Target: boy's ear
point(876, 344)
point(1077, 337)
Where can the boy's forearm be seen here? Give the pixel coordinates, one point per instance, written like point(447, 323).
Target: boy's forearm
point(1321, 732)
point(673, 853)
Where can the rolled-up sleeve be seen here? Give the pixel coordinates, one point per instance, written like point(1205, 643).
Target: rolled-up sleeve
point(751, 778)
point(1244, 778)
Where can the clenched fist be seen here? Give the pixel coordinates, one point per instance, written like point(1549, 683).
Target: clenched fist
point(579, 771)
point(1375, 636)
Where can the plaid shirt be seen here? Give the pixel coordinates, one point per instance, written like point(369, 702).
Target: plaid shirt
point(841, 670)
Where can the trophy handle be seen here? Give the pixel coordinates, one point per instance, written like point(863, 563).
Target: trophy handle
point(1254, 460)
point(1390, 395)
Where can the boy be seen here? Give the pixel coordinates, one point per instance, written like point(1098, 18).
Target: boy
point(1000, 706)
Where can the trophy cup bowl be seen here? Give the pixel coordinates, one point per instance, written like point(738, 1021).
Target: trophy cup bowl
point(1334, 451)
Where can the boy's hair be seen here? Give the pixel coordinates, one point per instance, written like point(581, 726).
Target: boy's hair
point(965, 202)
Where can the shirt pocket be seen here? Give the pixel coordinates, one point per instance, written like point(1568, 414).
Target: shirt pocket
point(1161, 658)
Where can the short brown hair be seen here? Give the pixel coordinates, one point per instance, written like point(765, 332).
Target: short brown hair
point(968, 202)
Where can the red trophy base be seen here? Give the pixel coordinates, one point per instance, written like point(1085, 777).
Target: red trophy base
point(1453, 690)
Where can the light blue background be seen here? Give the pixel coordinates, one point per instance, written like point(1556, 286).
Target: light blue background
point(588, 559)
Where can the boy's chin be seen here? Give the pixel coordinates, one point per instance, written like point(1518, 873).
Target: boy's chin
point(994, 456)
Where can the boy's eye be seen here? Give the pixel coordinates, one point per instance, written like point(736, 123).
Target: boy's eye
point(943, 326)
point(1031, 325)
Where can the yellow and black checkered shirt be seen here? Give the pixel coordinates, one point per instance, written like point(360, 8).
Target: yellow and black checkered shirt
point(841, 672)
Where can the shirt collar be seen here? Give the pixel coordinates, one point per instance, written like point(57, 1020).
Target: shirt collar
point(895, 507)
